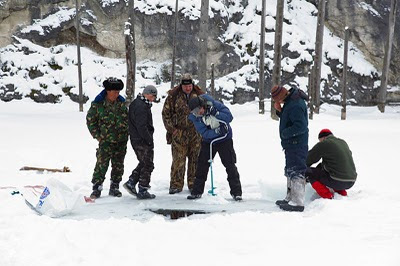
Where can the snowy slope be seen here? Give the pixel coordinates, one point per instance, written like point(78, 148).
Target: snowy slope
point(361, 229)
point(58, 64)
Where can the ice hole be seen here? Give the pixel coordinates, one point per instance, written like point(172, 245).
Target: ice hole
point(176, 214)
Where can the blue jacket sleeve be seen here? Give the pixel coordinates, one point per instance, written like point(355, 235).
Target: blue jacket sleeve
point(298, 127)
point(204, 131)
point(224, 113)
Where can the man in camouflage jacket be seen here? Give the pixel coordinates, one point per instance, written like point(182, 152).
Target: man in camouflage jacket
point(107, 121)
point(181, 134)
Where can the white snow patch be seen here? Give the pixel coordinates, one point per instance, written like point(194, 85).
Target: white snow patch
point(52, 21)
point(370, 9)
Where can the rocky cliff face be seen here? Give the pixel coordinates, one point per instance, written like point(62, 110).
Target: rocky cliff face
point(51, 22)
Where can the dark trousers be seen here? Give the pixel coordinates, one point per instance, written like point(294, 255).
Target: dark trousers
point(319, 174)
point(228, 157)
point(145, 156)
point(296, 161)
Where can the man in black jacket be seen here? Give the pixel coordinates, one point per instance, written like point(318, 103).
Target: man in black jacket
point(141, 132)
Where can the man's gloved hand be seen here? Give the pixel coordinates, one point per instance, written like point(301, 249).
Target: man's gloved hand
point(213, 111)
point(222, 129)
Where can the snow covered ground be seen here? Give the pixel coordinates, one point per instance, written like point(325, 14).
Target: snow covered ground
point(361, 229)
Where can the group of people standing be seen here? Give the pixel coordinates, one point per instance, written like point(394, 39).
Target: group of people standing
point(197, 128)
point(192, 120)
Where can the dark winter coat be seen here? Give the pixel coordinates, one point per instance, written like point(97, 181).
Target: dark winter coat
point(206, 131)
point(108, 122)
point(293, 126)
point(140, 121)
point(337, 159)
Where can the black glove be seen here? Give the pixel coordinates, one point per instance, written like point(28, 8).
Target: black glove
point(222, 129)
point(213, 111)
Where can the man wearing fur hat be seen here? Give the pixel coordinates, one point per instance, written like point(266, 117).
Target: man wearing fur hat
point(336, 171)
point(181, 134)
point(107, 121)
point(141, 132)
point(293, 131)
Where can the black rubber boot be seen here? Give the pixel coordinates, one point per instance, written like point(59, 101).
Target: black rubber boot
point(144, 194)
point(97, 188)
point(194, 196)
point(114, 190)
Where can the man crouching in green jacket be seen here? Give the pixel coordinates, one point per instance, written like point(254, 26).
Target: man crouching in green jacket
point(336, 172)
point(107, 121)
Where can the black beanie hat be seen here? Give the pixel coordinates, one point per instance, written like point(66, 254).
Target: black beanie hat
point(186, 79)
point(112, 84)
point(196, 102)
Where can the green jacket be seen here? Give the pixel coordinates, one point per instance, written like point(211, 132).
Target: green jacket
point(337, 159)
point(108, 121)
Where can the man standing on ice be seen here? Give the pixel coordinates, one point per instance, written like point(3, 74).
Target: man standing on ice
point(181, 134)
point(336, 171)
point(107, 121)
point(141, 132)
point(293, 131)
point(211, 119)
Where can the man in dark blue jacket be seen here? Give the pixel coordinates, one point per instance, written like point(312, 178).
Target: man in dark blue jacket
point(141, 132)
point(293, 131)
point(211, 119)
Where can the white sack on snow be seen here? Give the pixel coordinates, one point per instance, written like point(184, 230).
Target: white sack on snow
point(57, 199)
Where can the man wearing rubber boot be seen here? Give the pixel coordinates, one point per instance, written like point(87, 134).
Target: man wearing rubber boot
point(211, 119)
point(293, 131)
point(181, 134)
point(141, 132)
point(107, 121)
point(336, 172)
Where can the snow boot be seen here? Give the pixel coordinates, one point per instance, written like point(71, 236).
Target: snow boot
point(297, 191)
point(130, 185)
point(114, 190)
point(322, 190)
point(237, 197)
point(342, 192)
point(144, 194)
point(97, 188)
point(174, 190)
point(287, 198)
point(194, 196)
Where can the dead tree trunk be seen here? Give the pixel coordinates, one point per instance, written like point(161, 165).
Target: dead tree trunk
point(386, 61)
point(344, 81)
point(174, 45)
point(213, 93)
point(261, 90)
point(319, 40)
point(276, 72)
point(78, 47)
point(202, 61)
point(130, 53)
point(311, 94)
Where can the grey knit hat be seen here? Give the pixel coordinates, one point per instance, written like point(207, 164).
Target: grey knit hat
point(150, 89)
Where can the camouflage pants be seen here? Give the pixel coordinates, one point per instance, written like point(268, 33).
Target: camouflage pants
point(180, 152)
point(145, 156)
point(105, 152)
